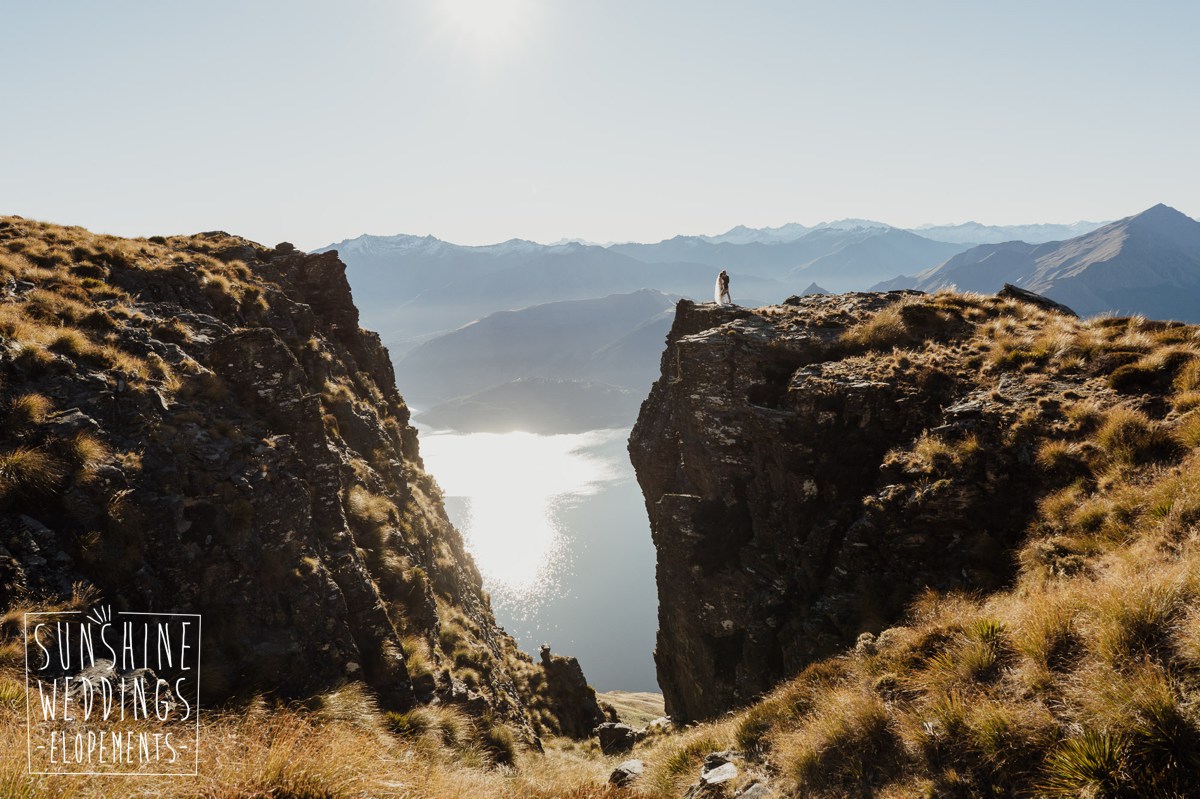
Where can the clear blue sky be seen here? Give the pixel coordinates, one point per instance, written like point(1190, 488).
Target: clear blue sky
point(482, 120)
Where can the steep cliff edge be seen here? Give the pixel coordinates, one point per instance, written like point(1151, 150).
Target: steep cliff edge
point(198, 424)
point(810, 468)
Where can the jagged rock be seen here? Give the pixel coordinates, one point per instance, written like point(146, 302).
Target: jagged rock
point(626, 773)
point(782, 528)
point(72, 421)
point(424, 687)
point(569, 697)
point(719, 774)
point(615, 738)
point(711, 771)
point(718, 768)
point(759, 790)
point(1012, 292)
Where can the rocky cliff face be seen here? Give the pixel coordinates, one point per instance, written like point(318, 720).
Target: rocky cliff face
point(810, 468)
point(198, 424)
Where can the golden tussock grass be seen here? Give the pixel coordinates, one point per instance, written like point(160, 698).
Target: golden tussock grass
point(340, 747)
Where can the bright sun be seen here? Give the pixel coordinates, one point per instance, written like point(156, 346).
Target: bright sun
point(488, 27)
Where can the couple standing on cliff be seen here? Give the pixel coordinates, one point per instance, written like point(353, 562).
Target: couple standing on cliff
point(721, 292)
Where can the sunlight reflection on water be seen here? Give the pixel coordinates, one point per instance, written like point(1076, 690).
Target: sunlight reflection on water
point(512, 487)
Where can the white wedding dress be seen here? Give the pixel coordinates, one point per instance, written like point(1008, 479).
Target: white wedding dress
point(721, 297)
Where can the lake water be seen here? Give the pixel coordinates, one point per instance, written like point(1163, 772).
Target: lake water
point(558, 529)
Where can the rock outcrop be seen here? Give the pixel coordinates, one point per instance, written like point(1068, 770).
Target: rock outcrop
point(198, 424)
point(563, 691)
point(810, 468)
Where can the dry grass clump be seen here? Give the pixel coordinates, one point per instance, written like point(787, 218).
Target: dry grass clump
point(847, 742)
point(786, 705)
point(27, 410)
point(28, 472)
point(932, 454)
point(909, 320)
point(1063, 459)
point(369, 509)
point(676, 759)
point(1128, 436)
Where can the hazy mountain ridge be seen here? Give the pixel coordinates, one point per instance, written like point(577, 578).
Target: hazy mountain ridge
point(537, 405)
point(976, 233)
point(420, 291)
point(606, 344)
point(414, 288)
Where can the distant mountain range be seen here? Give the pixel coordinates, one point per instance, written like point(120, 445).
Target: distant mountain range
point(412, 288)
point(508, 326)
point(839, 258)
point(975, 233)
point(968, 233)
point(1146, 264)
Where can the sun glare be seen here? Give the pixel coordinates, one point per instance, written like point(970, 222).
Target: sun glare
point(514, 484)
point(487, 27)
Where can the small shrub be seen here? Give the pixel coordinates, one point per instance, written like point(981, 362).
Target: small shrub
point(1055, 557)
point(1089, 765)
point(1136, 377)
point(448, 726)
point(412, 724)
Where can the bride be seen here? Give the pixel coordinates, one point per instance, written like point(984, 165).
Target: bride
point(721, 292)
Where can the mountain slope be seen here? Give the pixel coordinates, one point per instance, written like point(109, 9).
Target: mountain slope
point(1148, 264)
point(554, 340)
point(869, 259)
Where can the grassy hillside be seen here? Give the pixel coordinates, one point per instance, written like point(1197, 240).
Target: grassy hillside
point(1081, 677)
